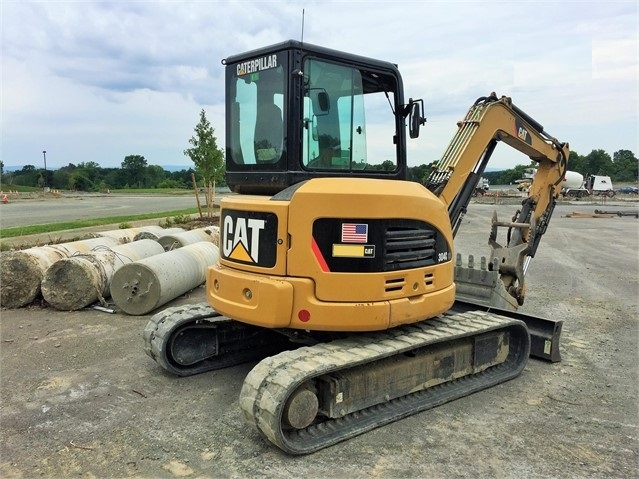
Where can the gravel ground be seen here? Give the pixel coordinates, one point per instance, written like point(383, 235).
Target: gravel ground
point(79, 398)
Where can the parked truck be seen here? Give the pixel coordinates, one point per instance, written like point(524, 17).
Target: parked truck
point(571, 180)
point(596, 185)
point(483, 185)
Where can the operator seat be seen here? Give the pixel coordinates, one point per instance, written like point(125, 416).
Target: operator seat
point(269, 133)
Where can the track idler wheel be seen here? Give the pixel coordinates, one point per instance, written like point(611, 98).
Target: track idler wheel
point(301, 408)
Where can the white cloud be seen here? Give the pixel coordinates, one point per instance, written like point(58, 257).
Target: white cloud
point(96, 81)
point(566, 63)
point(615, 59)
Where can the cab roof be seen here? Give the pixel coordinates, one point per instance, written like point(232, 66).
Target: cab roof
point(307, 47)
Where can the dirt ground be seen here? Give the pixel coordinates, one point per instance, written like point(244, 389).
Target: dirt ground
point(79, 398)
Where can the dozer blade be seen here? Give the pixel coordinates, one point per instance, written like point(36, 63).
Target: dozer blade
point(313, 397)
point(480, 288)
point(545, 333)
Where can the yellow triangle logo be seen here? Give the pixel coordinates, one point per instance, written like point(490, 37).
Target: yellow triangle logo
point(239, 253)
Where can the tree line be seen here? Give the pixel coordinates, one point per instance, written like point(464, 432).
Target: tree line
point(134, 171)
point(622, 167)
point(208, 169)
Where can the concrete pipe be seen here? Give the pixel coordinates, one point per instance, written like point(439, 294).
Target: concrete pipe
point(21, 271)
point(172, 241)
point(73, 283)
point(140, 287)
point(155, 235)
point(128, 234)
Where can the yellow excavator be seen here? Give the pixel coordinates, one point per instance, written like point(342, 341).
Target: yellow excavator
point(336, 274)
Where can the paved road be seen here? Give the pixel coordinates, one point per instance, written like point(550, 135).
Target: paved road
point(34, 211)
point(50, 209)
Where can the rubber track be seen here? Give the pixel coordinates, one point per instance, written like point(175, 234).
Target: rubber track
point(160, 327)
point(268, 386)
point(240, 342)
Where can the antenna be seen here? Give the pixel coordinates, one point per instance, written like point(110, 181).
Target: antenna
point(302, 40)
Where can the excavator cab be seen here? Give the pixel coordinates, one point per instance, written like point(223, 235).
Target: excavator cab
point(296, 111)
point(320, 136)
point(306, 126)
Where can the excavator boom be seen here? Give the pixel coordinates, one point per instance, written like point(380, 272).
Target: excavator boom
point(490, 120)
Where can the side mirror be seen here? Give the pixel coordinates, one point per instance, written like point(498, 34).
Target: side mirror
point(320, 101)
point(415, 119)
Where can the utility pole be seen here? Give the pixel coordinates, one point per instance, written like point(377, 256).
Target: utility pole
point(44, 153)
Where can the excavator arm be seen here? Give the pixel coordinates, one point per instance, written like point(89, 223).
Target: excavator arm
point(454, 177)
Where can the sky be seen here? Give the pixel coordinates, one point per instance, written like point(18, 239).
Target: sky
point(100, 80)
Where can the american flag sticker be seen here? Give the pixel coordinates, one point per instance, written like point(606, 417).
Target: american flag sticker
point(354, 233)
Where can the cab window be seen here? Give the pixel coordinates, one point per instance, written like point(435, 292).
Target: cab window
point(256, 117)
point(342, 107)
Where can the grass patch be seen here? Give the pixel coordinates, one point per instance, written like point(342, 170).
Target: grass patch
point(71, 225)
point(121, 191)
point(19, 188)
point(153, 191)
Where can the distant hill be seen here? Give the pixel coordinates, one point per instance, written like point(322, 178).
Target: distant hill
point(173, 168)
